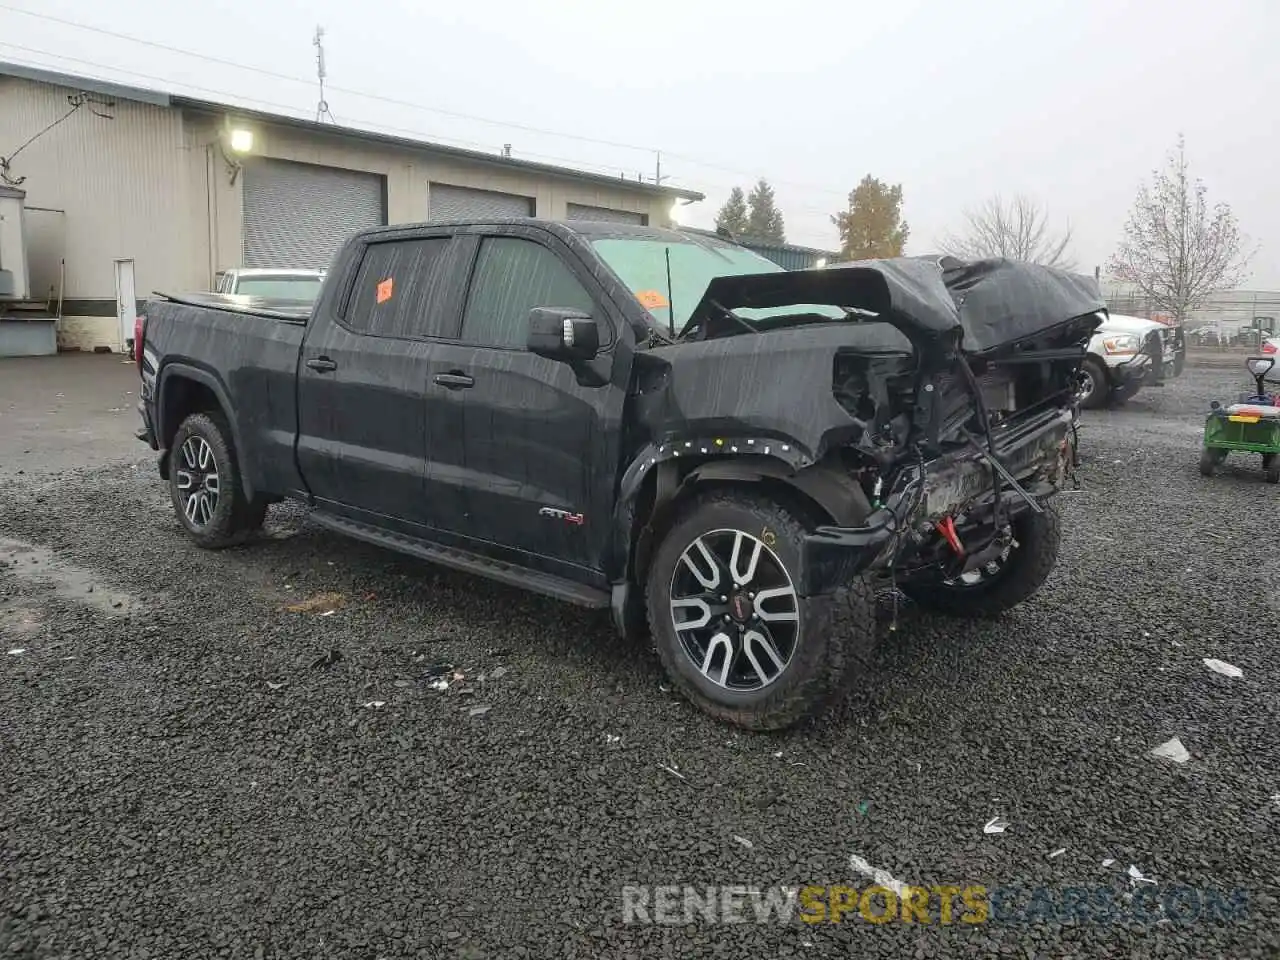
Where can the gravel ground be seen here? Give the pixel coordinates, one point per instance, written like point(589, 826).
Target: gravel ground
point(179, 780)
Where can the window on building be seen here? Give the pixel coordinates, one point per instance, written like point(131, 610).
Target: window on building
point(395, 289)
point(511, 278)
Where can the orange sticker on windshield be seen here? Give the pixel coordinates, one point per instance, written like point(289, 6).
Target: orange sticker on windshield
point(385, 289)
point(652, 300)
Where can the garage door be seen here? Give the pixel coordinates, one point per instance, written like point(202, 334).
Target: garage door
point(446, 202)
point(298, 215)
point(579, 211)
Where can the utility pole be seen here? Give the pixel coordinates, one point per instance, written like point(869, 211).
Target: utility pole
point(657, 173)
point(322, 108)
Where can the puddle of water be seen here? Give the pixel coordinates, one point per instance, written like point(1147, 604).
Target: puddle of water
point(36, 564)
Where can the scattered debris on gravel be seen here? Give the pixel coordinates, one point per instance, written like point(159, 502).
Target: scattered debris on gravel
point(167, 796)
point(1172, 750)
point(1226, 669)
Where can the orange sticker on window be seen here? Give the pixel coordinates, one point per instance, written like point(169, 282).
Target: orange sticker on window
point(385, 289)
point(652, 300)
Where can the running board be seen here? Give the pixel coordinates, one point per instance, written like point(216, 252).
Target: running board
point(546, 584)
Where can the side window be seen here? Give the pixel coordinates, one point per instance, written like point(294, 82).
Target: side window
point(393, 293)
point(511, 278)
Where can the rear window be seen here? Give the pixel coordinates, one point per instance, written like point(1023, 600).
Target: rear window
point(394, 292)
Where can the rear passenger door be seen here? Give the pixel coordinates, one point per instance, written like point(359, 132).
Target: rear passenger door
point(362, 382)
point(540, 452)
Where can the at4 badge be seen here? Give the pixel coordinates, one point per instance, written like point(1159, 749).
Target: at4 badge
point(554, 513)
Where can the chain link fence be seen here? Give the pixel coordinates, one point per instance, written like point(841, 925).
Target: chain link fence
point(1230, 321)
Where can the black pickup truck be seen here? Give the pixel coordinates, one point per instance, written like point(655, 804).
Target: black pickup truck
point(664, 425)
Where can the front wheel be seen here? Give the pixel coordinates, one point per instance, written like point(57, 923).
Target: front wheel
point(205, 484)
point(1001, 584)
point(730, 626)
point(1271, 468)
point(1094, 384)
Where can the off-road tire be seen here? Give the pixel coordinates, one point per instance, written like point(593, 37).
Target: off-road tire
point(1210, 460)
point(1271, 467)
point(1038, 536)
point(1101, 384)
point(235, 518)
point(836, 634)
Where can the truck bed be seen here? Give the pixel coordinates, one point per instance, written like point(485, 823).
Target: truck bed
point(246, 349)
point(291, 311)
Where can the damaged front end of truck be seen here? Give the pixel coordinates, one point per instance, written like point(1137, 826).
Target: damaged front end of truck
point(926, 422)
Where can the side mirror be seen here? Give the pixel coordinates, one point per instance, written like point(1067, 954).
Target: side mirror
point(567, 335)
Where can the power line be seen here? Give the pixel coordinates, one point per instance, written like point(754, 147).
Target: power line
point(417, 106)
point(232, 101)
point(275, 105)
point(296, 112)
point(292, 79)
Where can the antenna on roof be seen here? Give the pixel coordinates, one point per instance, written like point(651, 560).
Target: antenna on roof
point(322, 108)
point(657, 173)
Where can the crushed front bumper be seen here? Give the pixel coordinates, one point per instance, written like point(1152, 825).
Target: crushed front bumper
point(1137, 370)
point(1037, 453)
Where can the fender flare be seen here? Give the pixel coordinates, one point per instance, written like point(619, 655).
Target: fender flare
point(749, 460)
point(203, 377)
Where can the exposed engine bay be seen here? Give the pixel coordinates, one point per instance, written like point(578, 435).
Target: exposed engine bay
point(950, 398)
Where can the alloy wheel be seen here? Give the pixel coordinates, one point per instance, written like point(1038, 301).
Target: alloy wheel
point(735, 610)
point(1087, 386)
point(197, 476)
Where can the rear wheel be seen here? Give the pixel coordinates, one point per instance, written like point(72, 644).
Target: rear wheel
point(1094, 384)
point(1210, 460)
point(205, 484)
point(1001, 584)
point(1271, 467)
point(730, 626)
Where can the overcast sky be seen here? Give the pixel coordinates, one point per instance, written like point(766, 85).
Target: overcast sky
point(1072, 103)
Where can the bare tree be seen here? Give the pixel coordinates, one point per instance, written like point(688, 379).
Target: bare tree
point(1018, 230)
point(1176, 249)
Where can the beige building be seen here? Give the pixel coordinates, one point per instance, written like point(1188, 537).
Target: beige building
point(186, 188)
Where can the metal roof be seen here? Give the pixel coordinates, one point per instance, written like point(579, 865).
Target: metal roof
point(753, 243)
point(165, 99)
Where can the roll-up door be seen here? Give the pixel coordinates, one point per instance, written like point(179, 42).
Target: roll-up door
point(447, 202)
point(579, 211)
point(299, 214)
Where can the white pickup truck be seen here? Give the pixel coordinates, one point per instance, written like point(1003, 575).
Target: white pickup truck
point(270, 284)
point(1125, 354)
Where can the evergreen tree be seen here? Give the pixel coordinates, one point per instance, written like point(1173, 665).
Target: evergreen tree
point(764, 222)
point(733, 215)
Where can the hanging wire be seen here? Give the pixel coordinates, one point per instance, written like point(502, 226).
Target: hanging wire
point(77, 100)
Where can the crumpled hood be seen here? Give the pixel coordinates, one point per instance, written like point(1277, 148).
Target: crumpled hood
point(984, 303)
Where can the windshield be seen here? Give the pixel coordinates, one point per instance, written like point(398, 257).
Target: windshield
point(642, 266)
point(280, 288)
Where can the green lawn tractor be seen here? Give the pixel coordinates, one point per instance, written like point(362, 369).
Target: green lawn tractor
point(1250, 425)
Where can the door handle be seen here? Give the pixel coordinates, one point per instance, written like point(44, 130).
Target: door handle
point(322, 364)
point(455, 381)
